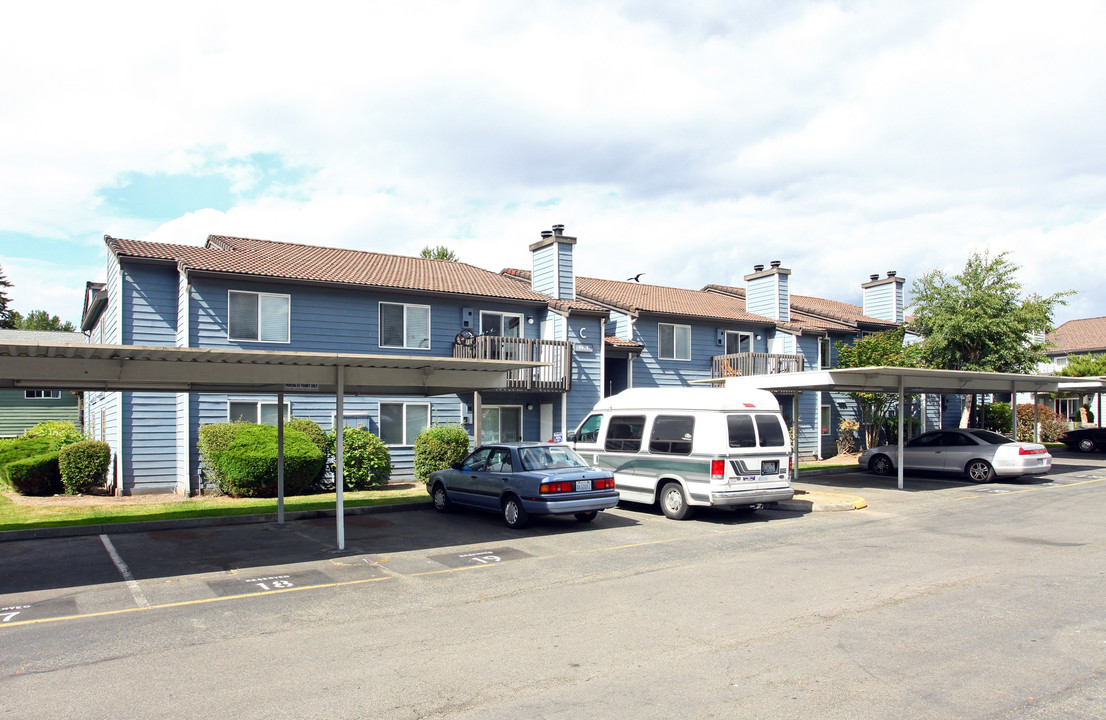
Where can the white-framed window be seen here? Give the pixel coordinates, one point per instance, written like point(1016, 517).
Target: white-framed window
point(260, 317)
point(1068, 408)
point(352, 420)
point(674, 341)
point(738, 342)
point(401, 423)
point(42, 394)
point(825, 348)
point(252, 411)
point(500, 423)
point(827, 415)
point(405, 326)
point(501, 324)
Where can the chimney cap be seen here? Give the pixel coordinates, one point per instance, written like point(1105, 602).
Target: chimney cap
point(775, 263)
point(873, 278)
point(558, 229)
point(546, 233)
point(758, 268)
point(892, 273)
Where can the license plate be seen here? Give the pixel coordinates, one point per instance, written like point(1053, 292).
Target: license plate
point(769, 467)
point(583, 485)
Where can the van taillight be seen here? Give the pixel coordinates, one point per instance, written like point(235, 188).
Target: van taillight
point(717, 469)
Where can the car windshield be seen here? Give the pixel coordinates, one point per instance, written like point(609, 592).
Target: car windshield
point(553, 457)
point(991, 438)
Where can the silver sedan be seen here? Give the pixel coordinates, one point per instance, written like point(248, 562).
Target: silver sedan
point(980, 454)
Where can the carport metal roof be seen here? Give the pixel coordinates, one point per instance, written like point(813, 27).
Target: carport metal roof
point(139, 368)
point(906, 381)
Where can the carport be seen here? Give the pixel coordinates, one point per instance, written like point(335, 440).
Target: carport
point(135, 368)
point(904, 381)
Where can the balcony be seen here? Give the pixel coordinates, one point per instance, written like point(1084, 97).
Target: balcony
point(556, 377)
point(744, 364)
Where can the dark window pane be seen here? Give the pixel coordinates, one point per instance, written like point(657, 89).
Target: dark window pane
point(741, 431)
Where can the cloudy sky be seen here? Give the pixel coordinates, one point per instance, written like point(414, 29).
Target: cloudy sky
point(688, 140)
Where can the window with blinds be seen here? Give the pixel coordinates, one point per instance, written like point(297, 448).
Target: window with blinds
point(405, 326)
point(262, 317)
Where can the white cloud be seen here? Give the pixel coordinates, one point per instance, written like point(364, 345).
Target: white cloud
point(686, 140)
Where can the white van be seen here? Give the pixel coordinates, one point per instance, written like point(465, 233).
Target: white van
point(687, 447)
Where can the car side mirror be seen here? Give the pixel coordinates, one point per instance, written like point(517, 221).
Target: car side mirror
point(572, 436)
point(458, 466)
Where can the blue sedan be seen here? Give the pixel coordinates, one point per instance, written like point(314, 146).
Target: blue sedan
point(524, 479)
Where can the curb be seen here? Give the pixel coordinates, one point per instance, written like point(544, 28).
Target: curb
point(184, 524)
point(807, 502)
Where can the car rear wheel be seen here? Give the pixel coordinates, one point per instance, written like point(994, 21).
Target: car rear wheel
point(881, 465)
point(1086, 445)
point(441, 499)
point(514, 514)
point(586, 516)
point(673, 503)
point(980, 471)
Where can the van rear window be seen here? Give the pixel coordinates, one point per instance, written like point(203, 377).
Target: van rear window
point(624, 433)
point(672, 435)
point(770, 431)
point(741, 431)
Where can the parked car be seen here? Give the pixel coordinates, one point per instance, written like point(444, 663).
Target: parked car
point(980, 454)
point(1085, 439)
point(524, 479)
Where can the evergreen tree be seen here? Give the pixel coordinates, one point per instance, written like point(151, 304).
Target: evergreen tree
point(441, 252)
point(5, 314)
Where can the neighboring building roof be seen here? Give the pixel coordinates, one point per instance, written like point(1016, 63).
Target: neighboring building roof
point(633, 298)
point(1087, 335)
point(622, 343)
point(40, 336)
point(815, 313)
point(310, 263)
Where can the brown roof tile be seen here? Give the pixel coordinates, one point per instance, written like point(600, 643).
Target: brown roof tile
point(1078, 336)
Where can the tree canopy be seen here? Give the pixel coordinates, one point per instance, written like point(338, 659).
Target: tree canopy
point(5, 314)
point(885, 349)
point(40, 320)
point(1085, 366)
point(441, 252)
point(979, 320)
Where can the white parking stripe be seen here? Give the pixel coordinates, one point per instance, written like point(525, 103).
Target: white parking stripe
point(136, 592)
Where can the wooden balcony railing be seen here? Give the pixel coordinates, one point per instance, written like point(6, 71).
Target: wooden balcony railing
point(556, 377)
point(743, 364)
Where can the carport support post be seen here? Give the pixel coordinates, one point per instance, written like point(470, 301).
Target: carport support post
point(280, 458)
point(1036, 419)
point(339, 458)
point(901, 410)
point(795, 436)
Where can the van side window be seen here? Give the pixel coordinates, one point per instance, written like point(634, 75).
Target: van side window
point(624, 433)
point(741, 431)
point(589, 431)
point(771, 431)
point(672, 435)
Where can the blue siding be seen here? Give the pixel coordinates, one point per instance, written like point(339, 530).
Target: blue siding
point(113, 314)
point(886, 301)
point(587, 368)
point(545, 270)
point(649, 370)
point(761, 296)
point(149, 463)
point(783, 298)
point(566, 281)
point(149, 298)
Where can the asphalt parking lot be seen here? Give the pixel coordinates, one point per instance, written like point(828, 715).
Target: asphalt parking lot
point(64, 579)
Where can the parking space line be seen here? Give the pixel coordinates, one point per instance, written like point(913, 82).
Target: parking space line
point(1034, 489)
point(132, 584)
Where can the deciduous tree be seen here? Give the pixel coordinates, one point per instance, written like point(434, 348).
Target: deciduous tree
point(885, 349)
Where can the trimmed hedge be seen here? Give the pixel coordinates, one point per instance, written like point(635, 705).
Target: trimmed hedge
point(83, 465)
point(438, 447)
point(311, 429)
point(62, 431)
point(30, 466)
point(214, 439)
point(247, 467)
point(366, 460)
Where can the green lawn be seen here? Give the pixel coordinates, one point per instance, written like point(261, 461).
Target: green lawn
point(14, 516)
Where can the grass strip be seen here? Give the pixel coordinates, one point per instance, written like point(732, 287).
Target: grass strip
point(17, 516)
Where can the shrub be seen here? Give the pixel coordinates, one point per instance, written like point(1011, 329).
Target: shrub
point(311, 429)
point(83, 465)
point(31, 478)
point(438, 447)
point(247, 467)
point(63, 431)
point(366, 460)
point(1052, 424)
point(847, 429)
point(214, 439)
point(36, 475)
point(996, 417)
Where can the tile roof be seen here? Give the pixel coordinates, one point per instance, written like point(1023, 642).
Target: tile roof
point(820, 313)
point(622, 343)
point(634, 297)
point(1078, 336)
point(290, 261)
